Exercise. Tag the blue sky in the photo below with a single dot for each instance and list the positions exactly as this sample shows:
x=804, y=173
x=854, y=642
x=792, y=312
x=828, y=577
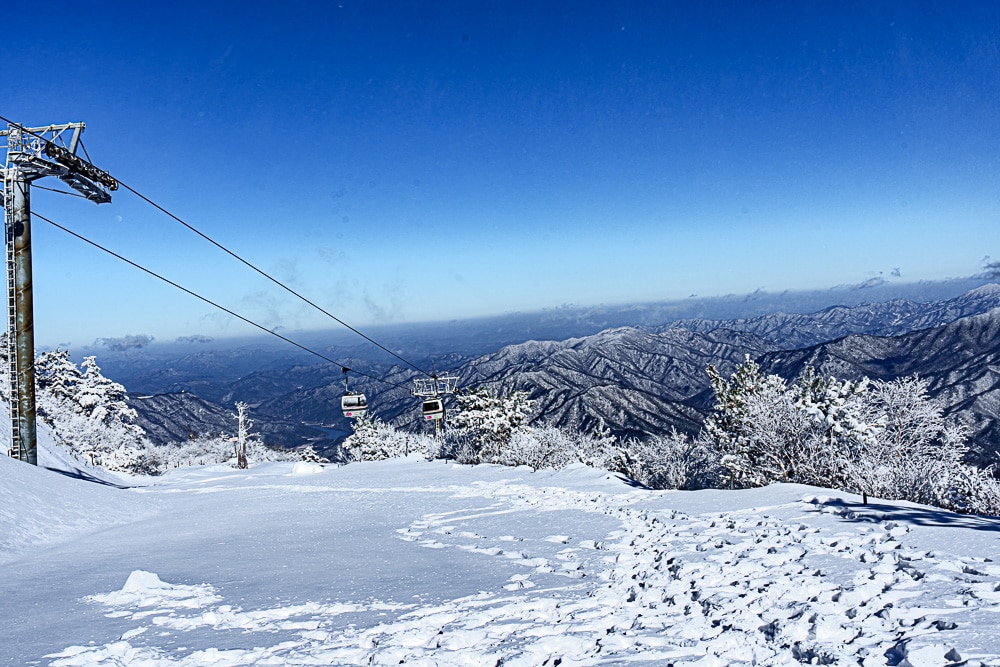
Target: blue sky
x=399, y=161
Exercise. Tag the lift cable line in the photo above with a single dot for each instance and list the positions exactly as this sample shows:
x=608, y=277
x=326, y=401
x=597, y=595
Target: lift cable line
x=62, y=192
x=214, y=304
x=270, y=277
x=232, y=254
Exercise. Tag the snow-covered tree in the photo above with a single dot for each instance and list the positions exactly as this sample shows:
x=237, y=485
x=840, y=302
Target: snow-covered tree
x=491, y=418
x=835, y=406
x=538, y=448
x=56, y=376
x=755, y=427
x=375, y=440
x=456, y=445
x=674, y=461
x=805, y=433
x=911, y=452
x=89, y=413
x=310, y=455
x=884, y=439
x=600, y=449
x=101, y=398
x=974, y=490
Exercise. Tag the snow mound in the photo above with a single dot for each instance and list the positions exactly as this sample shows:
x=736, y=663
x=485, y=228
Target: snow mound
x=145, y=589
x=306, y=468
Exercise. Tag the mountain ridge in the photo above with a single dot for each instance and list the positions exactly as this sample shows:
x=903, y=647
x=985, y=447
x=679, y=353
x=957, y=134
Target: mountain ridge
x=643, y=380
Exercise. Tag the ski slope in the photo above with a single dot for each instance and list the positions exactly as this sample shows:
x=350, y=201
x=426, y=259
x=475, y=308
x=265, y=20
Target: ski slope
x=431, y=563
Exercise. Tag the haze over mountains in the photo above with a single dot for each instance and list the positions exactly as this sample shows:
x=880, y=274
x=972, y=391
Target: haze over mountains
x=636, y=379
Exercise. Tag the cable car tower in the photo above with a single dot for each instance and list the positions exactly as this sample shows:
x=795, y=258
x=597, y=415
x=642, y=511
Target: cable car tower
x=433, y=390
x=33, y=153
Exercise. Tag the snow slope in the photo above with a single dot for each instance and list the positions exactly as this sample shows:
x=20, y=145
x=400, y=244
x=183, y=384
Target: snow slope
x=431, y=563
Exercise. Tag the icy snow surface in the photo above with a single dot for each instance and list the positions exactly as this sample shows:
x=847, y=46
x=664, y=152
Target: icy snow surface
x=430, y=563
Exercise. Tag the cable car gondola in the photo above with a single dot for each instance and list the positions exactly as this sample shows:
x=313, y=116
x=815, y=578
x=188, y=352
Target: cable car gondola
x=433, y=408
x=354, y=404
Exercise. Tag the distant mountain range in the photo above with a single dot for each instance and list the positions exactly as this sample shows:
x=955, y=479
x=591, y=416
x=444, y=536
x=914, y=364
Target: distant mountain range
x=638, y=380
x=889, y=318
x=206, y=367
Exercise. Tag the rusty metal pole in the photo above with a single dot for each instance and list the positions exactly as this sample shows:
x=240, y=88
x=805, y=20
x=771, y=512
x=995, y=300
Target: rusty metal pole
x=25, y=321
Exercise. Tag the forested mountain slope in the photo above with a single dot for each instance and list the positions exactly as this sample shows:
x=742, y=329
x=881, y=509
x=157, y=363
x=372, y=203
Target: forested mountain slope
x=637, y=382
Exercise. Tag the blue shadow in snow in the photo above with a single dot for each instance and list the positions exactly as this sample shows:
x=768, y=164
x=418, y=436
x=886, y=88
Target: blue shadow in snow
x=918, y=516
x=84, y=476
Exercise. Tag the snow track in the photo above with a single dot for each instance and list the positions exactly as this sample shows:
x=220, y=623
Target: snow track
x=810, y=581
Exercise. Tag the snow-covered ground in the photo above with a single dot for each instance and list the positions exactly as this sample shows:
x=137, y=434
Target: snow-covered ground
x=430, y=563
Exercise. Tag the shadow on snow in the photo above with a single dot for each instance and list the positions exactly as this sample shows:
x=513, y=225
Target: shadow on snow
x=919, y=516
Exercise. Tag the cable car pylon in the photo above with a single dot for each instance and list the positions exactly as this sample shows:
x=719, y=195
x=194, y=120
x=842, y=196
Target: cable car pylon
x=34, y=153
x=433, y=390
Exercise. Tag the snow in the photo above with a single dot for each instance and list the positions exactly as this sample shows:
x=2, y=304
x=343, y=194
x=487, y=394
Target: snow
x=432, y=563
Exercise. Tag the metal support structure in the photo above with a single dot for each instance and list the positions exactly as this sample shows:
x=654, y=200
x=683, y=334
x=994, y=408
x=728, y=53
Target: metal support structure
x=435, y=385
x=34, y=153
x=433, y=388
x=21, y=334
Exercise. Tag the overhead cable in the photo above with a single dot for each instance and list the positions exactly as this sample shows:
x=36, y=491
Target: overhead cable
x=62, y=192
x=245, y=263
x=212, y=303
x=269, y=276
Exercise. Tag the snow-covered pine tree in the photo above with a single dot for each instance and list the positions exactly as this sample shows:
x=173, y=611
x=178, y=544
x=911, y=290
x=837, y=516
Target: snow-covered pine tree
x=751, y=425
x=769, y=432
x=836, y=405
x=491, y=418
x=839, y=424
x=56, y=377
x=375, y=440
x=91, y=415
x=101, y=398
x=310, y=455
x=888, y=439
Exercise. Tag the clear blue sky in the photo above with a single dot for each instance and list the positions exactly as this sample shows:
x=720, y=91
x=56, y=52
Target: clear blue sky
x=413, y=161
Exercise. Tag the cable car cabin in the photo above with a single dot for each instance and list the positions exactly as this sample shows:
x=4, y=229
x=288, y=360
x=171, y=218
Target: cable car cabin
x=354, y=405
x=433, y=408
